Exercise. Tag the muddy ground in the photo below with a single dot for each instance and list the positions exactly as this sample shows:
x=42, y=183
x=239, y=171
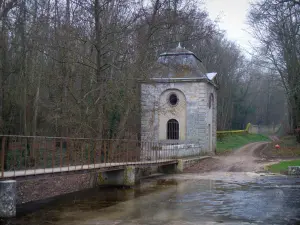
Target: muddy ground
x=252, y=157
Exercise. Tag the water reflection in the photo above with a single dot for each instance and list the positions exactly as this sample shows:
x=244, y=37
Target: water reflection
x=265, y=200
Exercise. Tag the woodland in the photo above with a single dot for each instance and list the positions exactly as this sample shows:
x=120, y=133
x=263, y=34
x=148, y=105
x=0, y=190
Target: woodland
x=71, y=67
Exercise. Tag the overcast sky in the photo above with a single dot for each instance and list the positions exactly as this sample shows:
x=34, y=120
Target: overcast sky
x=232, y=16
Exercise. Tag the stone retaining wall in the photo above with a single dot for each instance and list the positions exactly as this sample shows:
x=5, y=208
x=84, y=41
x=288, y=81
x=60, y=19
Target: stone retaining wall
x=294, y=170
x=54, y=185
x=47, y=187
x=173, y=151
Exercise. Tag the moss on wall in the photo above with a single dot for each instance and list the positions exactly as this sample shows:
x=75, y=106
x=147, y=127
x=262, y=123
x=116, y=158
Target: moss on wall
x=129, y=176
x=101, y=179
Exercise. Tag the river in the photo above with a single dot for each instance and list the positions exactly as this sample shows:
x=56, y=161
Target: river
x=186, y=199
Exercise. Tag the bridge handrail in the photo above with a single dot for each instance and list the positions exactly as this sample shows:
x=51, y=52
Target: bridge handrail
x=70, y=138
x=31, y=153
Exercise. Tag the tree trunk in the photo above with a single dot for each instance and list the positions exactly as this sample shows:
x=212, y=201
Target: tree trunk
x=3, y=72
x=23, y=64
x=99, y=113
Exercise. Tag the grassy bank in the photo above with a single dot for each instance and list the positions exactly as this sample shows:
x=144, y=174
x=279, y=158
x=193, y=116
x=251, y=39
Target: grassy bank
x=282, y=167
x=289, y=148
x=234, y=141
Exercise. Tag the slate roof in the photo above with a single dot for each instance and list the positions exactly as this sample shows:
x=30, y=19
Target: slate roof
x=179, y=63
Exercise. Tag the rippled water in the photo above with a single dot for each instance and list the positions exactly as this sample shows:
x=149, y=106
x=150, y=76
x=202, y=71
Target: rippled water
x=263, y=200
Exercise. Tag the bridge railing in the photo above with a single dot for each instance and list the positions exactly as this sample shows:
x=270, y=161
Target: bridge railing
x=24, y=153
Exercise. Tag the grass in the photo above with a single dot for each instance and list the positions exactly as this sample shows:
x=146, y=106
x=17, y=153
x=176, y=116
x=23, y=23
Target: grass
x=289, y=148
x=289, y=141
x=282, y=167
x=234, y=141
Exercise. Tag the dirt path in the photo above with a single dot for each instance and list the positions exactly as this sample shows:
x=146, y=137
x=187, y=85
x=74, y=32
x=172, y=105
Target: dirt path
x=246, y=159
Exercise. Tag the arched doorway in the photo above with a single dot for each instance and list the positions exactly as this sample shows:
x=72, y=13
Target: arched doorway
x=173, y=129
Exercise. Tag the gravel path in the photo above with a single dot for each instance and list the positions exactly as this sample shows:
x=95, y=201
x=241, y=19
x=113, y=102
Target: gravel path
x=246, y=159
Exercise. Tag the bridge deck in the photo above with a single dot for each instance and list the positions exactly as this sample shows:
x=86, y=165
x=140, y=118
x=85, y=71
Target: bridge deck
x=31, y=172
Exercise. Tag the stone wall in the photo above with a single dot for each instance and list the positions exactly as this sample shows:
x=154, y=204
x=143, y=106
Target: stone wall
x=264, y=129
x=165, y=151
x=294, y=170
x=197, y=112
x=54, y=185
x=149, y=117
x=213, y=110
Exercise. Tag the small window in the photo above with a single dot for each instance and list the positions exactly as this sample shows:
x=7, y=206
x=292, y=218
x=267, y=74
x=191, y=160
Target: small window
x=173, y=99
x=173, y=130
x=211, y=100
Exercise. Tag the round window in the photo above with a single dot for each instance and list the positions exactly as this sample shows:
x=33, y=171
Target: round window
x=173, y=99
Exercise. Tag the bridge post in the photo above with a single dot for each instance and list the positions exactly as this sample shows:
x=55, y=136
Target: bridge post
x=7, y=198
x=180, y=166
x=123, y=177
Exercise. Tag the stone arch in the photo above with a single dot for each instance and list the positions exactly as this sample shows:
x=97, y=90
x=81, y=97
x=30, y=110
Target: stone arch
x=172, y=109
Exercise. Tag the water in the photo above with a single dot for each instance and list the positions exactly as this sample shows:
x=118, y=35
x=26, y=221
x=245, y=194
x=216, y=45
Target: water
x=180, y=200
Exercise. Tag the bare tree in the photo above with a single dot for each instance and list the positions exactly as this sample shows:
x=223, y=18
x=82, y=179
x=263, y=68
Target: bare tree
x=276, y=26
x=70, y=68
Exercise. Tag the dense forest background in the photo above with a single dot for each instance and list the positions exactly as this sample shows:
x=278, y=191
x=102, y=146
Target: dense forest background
x=71, y=67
